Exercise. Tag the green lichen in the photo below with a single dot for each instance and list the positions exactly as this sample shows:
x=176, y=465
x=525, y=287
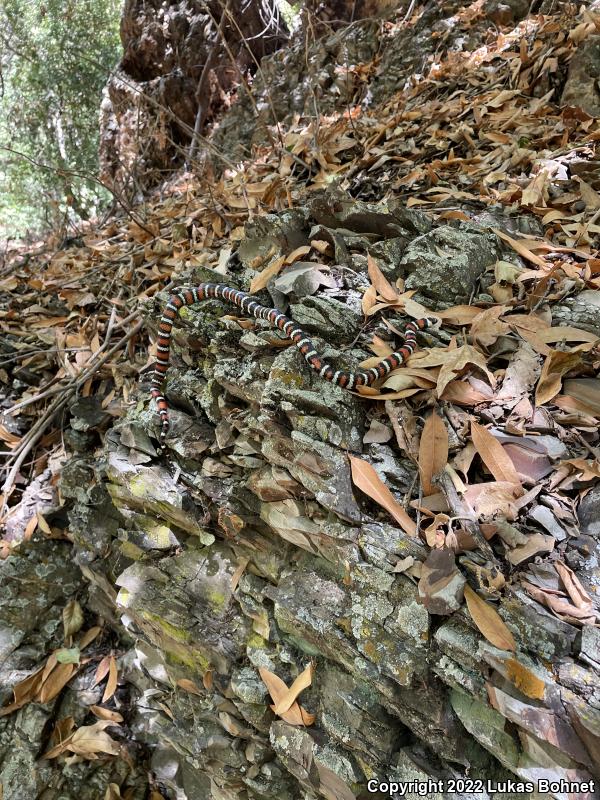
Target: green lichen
x=287, y=378
x=174, y=642
x=216, y=599
x=256, y=642
x=175, y=633
x=131, y=550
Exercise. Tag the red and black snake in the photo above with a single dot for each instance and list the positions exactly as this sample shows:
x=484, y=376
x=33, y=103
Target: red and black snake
x=251, y=306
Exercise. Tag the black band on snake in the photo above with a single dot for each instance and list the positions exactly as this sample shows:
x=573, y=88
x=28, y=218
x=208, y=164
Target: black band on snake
x=251, y=306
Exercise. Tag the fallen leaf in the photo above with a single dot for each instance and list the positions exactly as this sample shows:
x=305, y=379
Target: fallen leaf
x=295, y=715
x=556, y=365
x=89, y=636
x=55, y=682
x=384, y=288
x=261, y=280
x=239, y=571
x=68, y=655
x=24, y=692
x=365, y=477
x=72, y=618
x=88, y=741
x=303, y=250
x=433, y=450
x=101, y=670
x=303, y=681
x=189, y=686
x=493, y=455
x=488, y=621
x=111, y=683
x=106, y=713
x=572, y=584
x=487, y=326
x=521, y=249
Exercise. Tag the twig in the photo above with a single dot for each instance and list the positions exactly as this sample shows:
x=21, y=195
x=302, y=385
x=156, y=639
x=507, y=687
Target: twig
x=85, y=176
x=57, y=389
x=243, y=82
x=35, y=433
x=203, y=106
x=462, y=510
x=410, y=10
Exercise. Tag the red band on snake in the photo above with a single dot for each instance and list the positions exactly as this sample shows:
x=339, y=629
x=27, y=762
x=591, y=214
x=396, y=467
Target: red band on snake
x=251, y=306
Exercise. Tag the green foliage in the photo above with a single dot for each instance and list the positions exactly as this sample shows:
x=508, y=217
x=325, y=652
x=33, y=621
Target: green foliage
x=55, y=57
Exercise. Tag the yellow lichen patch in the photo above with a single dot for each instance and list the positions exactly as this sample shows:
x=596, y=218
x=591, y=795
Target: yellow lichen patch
x=256, y=642
x=524, y=679
x=158, y=622
x=287, y=378
x=131, y=550
x=216, y=599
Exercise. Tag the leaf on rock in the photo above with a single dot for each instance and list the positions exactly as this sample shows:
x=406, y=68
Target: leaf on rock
x=365, y=477
x=433, y=450
x=278, y=690
x=489, y=622
x=556, y=365
x=72, y=618
x=384, y=288
x=111, y=683
x=493, y=455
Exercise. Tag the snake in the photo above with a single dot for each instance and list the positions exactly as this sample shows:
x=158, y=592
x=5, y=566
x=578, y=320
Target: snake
x=251, y=306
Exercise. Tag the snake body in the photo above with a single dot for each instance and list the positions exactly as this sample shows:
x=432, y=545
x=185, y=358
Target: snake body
x=251, y=306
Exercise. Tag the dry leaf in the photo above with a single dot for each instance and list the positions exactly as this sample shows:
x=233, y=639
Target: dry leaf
x=189, y=686
x=460, y=315
x=102, y=670
x=88, y=741
x=72, y=618
x=89, y=636
x=24, y=692
x=239, y=571
x=55, y=682
x=113, y=792
x=295, y=715
x=43, y=525
x=493, y=455
x=261, y=280
x=453, y=361
x=521, y=249
x=572, y=584
x=301, y=682
x=106, y=713
x=303, y=250
x=365, y=477
x=111, y=683
x=489, y=622
x=368, y=300
x=384, y=288
x=433, y=450
x=556, y=365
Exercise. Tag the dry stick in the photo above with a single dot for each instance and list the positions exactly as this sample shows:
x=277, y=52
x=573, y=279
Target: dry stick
x=182, y=124
x=207, y=143
x=411, y=7
x=84, y=176
x=243, y=81
x=58, y=389
x=35, y=433
x=463, y=511
x=203, y=107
